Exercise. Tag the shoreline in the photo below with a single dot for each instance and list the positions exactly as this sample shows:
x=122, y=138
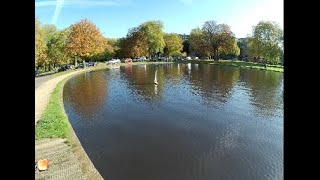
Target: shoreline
x=237, y=63
x=87, y=167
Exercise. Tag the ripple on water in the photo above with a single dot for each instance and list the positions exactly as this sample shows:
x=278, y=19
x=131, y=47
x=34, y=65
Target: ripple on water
x=200, y=122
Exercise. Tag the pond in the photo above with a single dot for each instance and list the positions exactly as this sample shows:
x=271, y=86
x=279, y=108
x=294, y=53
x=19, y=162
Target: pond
x=200, y=122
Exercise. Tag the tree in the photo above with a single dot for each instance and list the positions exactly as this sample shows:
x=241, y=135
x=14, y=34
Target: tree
x=173, y=45
x=53, y=43
x=186, y=46
x=40, y=45
x=152, y=31
x=197, y=43
x=266, y=41
x=112, y=47
x=109, y=51
x=230, y=49
x=85, y=40
x=216, y=36
x=61, y=45
x=134, y=45
x=122, y=44
x=56, y=43
x=50, y=39
x=138, y=43
x=144, y=40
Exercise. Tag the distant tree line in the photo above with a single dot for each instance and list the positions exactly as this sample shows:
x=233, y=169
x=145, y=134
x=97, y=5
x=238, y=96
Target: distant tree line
x=84, y=41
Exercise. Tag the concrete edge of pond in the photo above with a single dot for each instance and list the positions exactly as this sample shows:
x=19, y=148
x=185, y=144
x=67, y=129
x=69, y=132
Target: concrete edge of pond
x=88, y=169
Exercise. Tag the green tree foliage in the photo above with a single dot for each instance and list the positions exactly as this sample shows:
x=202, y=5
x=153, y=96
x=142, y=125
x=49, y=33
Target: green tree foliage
x=85, y=40
x=153, y=32
x=138, y=43
x=123, y=47
x=108, y=52
x=173, y=45
x=267, y=41
x=198, y=45
x=186, y=46
x=134, y=45
x=61, y=45
x=40, y=45
x=217, y=36
x=112, y=48
x=230, y=49
x=56, y=44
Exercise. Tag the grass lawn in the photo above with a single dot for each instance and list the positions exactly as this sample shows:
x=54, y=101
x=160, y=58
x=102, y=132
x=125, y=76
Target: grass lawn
x=53, y=122
x=241, y=64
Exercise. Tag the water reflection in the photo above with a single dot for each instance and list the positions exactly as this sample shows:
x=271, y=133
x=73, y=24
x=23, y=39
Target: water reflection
x=200, y=122
x=214, y=84
x=266, y=90
x=87, y=93
x=155, y=89
x=140, y=79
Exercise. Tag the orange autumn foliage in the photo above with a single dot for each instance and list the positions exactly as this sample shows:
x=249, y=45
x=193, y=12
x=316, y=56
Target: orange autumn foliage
x=85, y=40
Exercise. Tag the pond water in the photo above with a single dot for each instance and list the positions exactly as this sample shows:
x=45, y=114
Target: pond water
x=200, y=122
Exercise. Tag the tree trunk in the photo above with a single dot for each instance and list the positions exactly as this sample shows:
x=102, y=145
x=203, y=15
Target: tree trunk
x=75, y=62
x=216, y=54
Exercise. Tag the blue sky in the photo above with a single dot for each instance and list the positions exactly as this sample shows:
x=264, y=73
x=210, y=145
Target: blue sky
x=115, y=17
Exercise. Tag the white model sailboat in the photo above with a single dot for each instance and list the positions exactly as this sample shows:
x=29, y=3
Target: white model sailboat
x=155, y=78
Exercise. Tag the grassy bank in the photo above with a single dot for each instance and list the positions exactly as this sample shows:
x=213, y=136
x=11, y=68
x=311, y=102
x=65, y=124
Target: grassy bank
x=53, y=122
x=241, y=64
x=136, y=63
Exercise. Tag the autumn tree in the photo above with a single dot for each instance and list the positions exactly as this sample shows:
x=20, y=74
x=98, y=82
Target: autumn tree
x=135, y=44
x=266, y=41
x=111, y=48
x=138, y=43
x=144, y=40
x=198, y=45
x=173, y=45
x=85, y=40
x=107, y=53
x=216, y=36
x=40, y=45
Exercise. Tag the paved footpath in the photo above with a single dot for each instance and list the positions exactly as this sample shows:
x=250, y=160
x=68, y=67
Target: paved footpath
x=43, y=91
x=65, y=162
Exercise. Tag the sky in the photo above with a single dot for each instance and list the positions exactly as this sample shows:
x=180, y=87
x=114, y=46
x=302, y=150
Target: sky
x=115, y=17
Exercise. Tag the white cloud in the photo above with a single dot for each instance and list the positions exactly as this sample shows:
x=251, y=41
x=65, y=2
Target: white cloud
x=57, y=11
x=62, y=3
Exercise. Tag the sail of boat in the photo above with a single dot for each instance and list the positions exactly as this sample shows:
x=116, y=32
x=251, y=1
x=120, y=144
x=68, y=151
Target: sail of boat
x=155, y=78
